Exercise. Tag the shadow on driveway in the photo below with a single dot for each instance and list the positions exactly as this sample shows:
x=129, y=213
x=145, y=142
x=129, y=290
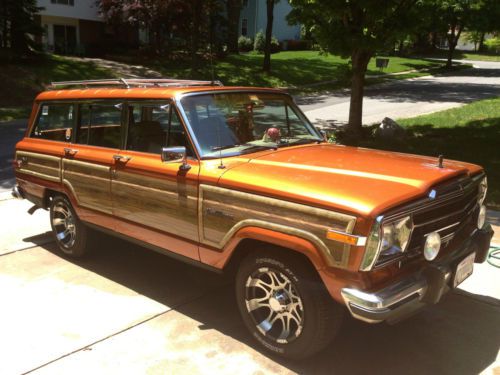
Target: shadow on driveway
x=458, y=336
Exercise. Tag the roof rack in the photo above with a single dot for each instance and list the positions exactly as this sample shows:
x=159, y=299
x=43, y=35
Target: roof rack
x=138, y=82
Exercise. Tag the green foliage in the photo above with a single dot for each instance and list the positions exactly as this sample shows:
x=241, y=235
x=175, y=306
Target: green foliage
x=245, y=44
x=259, y=42
x=18, y=24
x=493, y=44
x=342, y=26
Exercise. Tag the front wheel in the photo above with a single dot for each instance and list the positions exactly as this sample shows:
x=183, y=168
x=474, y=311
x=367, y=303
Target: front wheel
x=285, y=305
x=69, y=232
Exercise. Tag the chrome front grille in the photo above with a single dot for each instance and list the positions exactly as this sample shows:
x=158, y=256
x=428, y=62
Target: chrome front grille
x=452, y=213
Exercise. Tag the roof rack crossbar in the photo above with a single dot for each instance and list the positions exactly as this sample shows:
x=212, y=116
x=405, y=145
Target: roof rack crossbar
x=138, y=82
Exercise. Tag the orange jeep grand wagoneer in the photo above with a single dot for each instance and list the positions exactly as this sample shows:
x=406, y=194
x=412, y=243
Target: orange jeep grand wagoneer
x=238, y=178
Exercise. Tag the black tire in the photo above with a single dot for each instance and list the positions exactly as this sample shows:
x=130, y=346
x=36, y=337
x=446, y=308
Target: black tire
x=316, y=319
x=70, y=234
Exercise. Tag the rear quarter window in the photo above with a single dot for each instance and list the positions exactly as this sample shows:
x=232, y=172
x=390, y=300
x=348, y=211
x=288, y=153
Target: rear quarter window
x=54, y=122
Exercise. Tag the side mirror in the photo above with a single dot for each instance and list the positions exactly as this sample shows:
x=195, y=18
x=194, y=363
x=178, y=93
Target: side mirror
x=323, y=133
x=175, y=155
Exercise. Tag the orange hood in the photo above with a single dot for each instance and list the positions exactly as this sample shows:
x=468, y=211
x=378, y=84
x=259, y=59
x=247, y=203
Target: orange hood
x=354, y=180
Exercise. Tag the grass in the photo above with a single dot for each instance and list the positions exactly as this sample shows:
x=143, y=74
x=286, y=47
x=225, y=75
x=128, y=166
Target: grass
x=466, y=55
x=469, y=133
x=22, y=81
x=289, y=68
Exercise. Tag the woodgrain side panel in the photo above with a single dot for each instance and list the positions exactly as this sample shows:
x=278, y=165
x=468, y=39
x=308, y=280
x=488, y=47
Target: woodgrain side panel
x=46, y=167
x=89, y=183
x=162, y=202
x=223, y=212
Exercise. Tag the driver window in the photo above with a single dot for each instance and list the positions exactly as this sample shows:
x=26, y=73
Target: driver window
x=153, y=126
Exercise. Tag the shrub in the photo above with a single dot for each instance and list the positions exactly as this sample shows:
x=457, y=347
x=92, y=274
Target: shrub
x=245, y=44
x=493, y=44
x=260, y=43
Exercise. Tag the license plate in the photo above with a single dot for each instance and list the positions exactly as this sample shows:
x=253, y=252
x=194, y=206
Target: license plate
x=464, y=269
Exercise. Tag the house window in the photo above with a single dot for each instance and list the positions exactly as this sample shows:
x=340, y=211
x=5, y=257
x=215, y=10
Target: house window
x=244, y=27
x=64, y=2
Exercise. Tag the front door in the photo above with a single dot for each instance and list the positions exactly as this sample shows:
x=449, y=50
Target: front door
x=64, y=39
x=88, y=161
x=156, y=202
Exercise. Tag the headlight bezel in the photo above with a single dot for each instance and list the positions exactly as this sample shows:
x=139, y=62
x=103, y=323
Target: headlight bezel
x=374, y=248
x=482, y=190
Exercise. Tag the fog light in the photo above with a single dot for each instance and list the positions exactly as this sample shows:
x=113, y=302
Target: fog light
x=481, y=218
x=432, y=246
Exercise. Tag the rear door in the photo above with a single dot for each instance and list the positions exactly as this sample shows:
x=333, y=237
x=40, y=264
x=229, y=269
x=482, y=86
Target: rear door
x=88, y=161
x=153, y=195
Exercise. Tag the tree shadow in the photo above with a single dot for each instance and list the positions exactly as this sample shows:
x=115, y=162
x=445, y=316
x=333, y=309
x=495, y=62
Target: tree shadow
x=457, y=336
x=476, y=142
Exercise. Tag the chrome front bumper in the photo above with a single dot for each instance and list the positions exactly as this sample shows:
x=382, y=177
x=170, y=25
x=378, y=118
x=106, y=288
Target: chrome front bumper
x=404, y=297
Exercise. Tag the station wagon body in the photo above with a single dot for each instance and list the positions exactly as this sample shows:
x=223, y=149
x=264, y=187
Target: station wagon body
x=238, y=178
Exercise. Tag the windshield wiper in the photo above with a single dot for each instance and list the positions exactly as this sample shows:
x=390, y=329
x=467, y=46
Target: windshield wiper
x=219, y=148
x=299, y=141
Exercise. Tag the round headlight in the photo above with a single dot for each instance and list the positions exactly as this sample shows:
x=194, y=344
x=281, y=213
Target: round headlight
x=432, y=246
x=481, y=218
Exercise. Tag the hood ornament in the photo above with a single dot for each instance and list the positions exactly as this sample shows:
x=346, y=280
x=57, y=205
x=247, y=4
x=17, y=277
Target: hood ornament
x=440, y=161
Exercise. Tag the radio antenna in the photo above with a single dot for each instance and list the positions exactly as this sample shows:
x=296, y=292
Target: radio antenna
x=212, y=69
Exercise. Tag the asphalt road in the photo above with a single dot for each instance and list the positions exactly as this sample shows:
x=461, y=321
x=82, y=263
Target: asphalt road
x=409, y=98
x=128, y=310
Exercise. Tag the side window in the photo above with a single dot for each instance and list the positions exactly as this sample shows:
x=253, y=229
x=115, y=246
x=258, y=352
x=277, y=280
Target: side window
x=100, y=125
x=55, y=122
x=153, y=126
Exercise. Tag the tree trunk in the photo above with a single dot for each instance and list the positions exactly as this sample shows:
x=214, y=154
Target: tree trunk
x=480, y=47
x=269, y=34
x=360, y=59
x=233, y=8
x=452, y=44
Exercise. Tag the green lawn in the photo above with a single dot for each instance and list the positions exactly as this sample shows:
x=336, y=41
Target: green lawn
x=470, y=133
x=289, y=68
x=22, y=81
x=466, y=55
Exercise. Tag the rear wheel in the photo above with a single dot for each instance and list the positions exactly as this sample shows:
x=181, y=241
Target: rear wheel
x=285, y=305
x=69, y=232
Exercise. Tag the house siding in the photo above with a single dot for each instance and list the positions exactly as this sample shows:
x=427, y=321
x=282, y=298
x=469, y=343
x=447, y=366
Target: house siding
x=256, y=13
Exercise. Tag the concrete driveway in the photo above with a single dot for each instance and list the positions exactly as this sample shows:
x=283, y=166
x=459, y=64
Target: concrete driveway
x=409, y=98
x=127, y=310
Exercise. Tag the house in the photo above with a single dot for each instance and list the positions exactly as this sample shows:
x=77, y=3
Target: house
x=70, y=25
x=76, y=27
x=253, y=19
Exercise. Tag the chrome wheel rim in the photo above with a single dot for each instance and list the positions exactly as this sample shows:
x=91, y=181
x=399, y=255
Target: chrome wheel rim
x=63, y=222
x=274, y=305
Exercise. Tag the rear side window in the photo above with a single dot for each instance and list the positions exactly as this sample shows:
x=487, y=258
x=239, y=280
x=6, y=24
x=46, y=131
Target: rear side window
x=100, y=125
x=55, y=122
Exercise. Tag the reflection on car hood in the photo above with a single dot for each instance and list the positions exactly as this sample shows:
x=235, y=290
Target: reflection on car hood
x=349, y=179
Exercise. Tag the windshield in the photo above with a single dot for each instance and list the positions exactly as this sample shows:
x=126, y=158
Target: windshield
x=235, y=123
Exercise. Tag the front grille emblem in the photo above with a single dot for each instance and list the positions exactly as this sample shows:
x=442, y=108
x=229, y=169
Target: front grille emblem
x=432, y=194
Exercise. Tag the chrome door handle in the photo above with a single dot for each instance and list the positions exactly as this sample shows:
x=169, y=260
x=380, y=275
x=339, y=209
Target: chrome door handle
x=70, y=151
x=121, y=158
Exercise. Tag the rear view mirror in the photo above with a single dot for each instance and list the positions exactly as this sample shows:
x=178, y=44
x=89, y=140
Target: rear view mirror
x=175, y=155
